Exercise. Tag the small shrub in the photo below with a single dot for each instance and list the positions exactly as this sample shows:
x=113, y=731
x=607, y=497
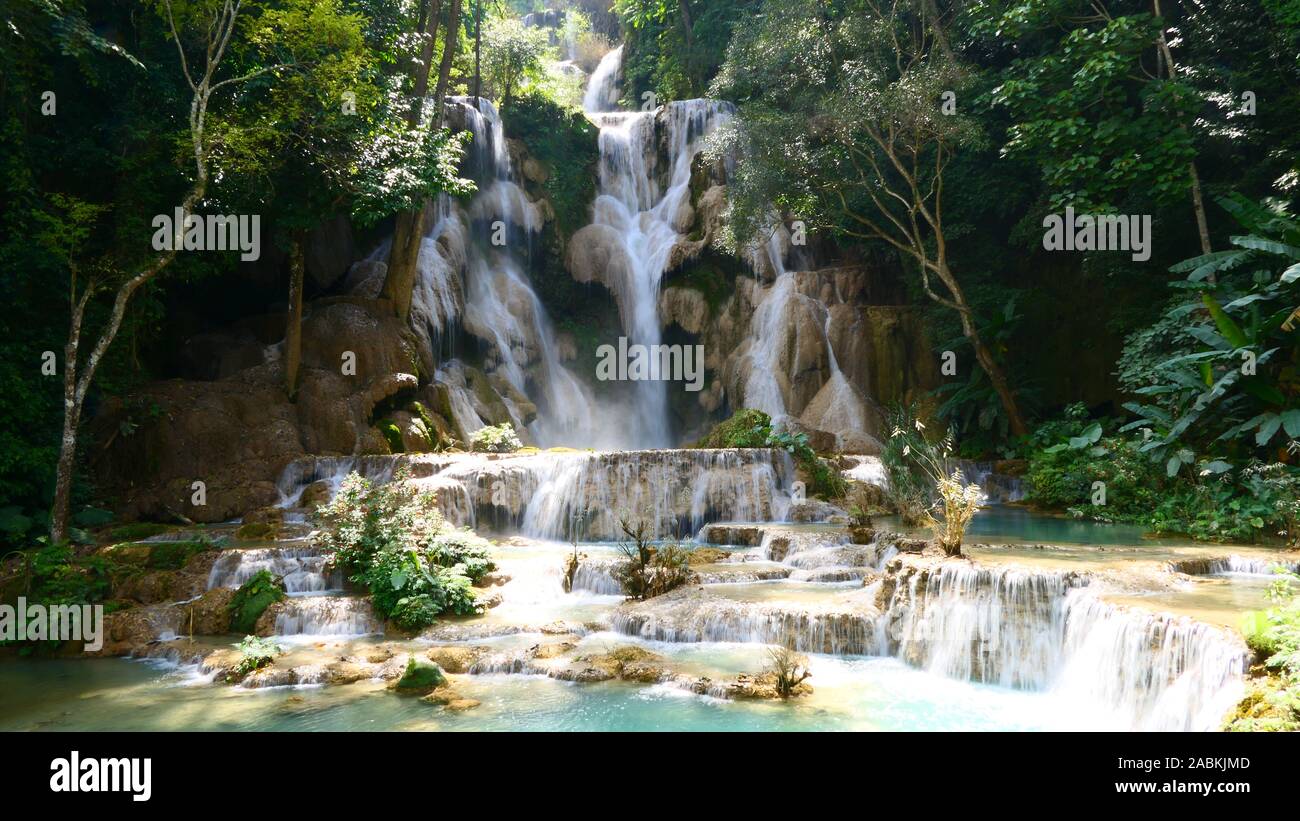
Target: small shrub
x=925, y=478
x=392, y=539
x=495, y=439
x=747, y=428
x=650, y=570
x=788, y=669
x=415, y=612
x=251, y=600
x=256, y=653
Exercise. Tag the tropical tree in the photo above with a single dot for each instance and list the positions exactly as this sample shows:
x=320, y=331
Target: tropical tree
x=840, y=124
x=1226, y=379
x=212, y=25
x=513, y=56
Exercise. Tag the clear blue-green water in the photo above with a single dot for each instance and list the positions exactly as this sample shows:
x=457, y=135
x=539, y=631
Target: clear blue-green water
x=997, y=523
x=851, y=694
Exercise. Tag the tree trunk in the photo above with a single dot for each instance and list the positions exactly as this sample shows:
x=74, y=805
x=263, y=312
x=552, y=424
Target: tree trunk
x=293, y=322
x=1202, y=226
x=1198, y=202
x=408, y=231
x=983, y=355
x=449, y=44
x=426, y=62
x=478, y=47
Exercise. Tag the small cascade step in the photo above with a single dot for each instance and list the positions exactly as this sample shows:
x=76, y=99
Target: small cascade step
x=326, y=616
x=302, y=569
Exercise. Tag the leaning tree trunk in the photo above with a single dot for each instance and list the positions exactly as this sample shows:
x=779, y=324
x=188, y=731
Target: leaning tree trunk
x=448, y=54
x=983, y=355
x=478, y=48
x=293, y=322
x=1198, y=201
x=408, y=231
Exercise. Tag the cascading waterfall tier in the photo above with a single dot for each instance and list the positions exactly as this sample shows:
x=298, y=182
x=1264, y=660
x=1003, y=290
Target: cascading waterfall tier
x=845, y=627
x=641, y=212
x=495, y=302
x=553, y=495
x=301, y=568
x=1049, y=631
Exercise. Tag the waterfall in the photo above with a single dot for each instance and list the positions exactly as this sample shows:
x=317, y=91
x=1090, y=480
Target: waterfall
x=602, y=88
x=782, y=319
x=543, y=495
x=301, y=568
x=647, y=220
x=843, y=629
x=490, y=240
x=1049, y=631
x=326, y=616
x=1234, y=564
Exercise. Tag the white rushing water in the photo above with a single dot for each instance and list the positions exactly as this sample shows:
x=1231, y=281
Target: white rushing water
x=643, y=202
x=602, y=88
x=490, y=240
x=1048, y=631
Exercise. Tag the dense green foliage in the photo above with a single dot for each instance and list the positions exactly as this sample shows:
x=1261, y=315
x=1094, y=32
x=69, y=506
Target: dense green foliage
x=392, y=539
x=1273, y=703
x=750, y=428
x=673, y=48
x=255, y=653
x=563, y=141
x=495, y=439
x=251, y=600
x=306, y=120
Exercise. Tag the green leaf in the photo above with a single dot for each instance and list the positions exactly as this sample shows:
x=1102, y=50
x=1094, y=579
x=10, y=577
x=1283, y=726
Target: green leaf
x=1291, y=422
x=1230, y=330
x=1171, y=468
x=1267, y=429
x=1088, y=437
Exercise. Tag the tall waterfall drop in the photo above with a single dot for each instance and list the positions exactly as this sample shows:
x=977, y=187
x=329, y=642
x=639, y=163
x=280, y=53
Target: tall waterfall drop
x=642, y=211
x=499, y=305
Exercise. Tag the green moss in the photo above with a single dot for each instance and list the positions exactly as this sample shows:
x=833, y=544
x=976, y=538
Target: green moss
x=256, y=531
x=392, y=435
x=175, y=555
x=420, y=677
x=564, y=141
x=135, y=531
x=747, y=428
x=252, y=599
x=715, y=284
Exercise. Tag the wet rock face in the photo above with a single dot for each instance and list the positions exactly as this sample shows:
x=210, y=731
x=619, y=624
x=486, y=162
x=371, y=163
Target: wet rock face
x=237, y=433
x=675, y=492
x=694, y=614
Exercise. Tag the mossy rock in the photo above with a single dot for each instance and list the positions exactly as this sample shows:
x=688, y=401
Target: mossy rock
x=708, y=555
x=175, y=555
x=252, y=599
x=392, y=435
x=257, y=531
x=420, y=678
x=135, y=531
x=747, y=428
